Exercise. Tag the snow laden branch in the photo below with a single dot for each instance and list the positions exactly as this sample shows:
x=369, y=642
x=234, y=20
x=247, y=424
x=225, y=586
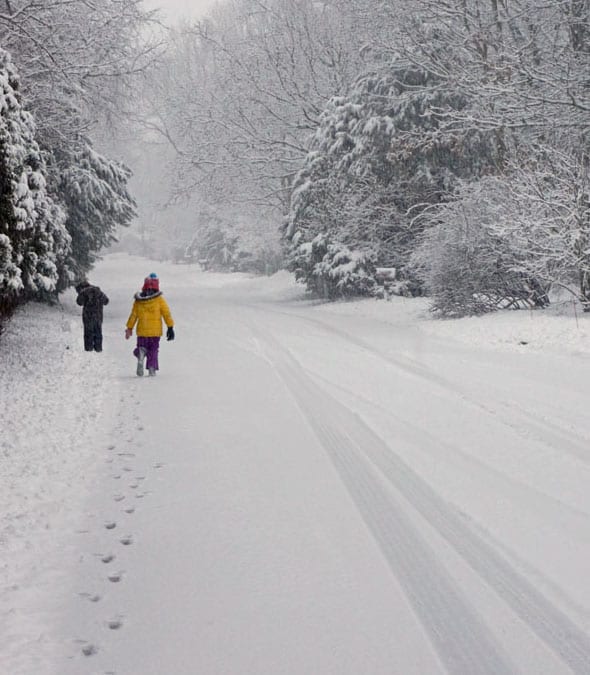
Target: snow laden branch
x=78, y=63
x=243, y=90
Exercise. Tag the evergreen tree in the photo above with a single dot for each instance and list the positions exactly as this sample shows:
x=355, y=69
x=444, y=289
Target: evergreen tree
x=33, y=239
x=377, y=158
x=79, y=62
x=95, y=193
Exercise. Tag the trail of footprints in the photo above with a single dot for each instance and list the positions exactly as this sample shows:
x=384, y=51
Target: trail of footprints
x=107, y=559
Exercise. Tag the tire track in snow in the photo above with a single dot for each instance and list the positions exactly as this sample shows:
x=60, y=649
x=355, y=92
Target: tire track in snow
x=538, y=500
x=458, y=633
x=541, y=429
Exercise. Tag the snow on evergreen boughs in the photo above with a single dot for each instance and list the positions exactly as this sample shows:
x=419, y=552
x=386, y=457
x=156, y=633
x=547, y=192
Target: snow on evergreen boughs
x=95, y=192
x=34, y=239
x=330, y=270
x=378, y=153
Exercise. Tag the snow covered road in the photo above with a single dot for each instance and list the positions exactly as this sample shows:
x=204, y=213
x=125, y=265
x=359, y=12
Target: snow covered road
x=304, y=490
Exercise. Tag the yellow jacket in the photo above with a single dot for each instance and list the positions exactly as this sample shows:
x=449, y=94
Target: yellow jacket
x=148, y=313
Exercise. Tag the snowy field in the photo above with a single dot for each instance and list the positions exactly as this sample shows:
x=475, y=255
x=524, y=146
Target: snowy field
x=304, y=489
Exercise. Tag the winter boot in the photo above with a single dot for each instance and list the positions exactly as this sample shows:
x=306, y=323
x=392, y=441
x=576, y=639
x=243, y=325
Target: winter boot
x=140, y=359
x=152, y=372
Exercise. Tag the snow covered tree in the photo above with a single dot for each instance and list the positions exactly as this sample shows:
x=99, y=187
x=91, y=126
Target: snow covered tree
x=242, y=91
x=465, y=262
x=78, y=60
x=95, y=193
x=509, y=239
x=331, y=270
x=33, y=240
x=543, y=213
x=377, y=154
x=523, y=64
x=79, y=63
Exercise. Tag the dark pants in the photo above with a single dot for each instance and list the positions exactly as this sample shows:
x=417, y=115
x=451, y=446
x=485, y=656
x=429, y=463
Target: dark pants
x=93, y=336
x=151, y=346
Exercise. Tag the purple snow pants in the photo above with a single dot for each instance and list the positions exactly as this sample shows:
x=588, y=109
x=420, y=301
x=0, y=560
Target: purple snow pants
x=151, y=346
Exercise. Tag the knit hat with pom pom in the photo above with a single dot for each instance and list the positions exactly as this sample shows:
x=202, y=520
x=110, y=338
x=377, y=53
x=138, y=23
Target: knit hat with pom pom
x=151, y=283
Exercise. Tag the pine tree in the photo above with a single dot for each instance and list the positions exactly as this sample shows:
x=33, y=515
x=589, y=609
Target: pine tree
x=378, y=158
x=94, y=190
x=33, y=239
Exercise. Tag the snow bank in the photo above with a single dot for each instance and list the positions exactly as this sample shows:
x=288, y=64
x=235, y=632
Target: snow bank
x=53, y=397
x=558, y=329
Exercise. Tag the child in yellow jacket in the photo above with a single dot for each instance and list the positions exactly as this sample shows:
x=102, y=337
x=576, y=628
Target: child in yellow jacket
x=148, y=311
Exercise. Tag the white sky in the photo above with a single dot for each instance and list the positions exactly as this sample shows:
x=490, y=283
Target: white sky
x=177, y=9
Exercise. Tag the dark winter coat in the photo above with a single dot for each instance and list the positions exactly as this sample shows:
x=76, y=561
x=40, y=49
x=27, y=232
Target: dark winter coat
x=92, y=299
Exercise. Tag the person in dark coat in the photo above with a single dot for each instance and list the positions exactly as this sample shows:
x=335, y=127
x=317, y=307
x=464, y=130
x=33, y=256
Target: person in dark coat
x=92, y=299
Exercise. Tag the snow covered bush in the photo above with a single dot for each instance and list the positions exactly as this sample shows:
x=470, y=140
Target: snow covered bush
x=467, y=269
x=263, y=260
x=543, y=214
x=330, y=270
x=506, y=240
x=214, y=248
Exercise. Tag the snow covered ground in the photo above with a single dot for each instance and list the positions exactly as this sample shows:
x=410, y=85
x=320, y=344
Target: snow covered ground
x=303, y=489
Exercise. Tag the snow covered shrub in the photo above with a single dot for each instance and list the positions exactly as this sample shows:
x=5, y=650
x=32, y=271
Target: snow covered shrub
x=330, y=270
x=542, y=211
x=515, y=236
x=260, y=260
x=214, y=248
x=466, y=264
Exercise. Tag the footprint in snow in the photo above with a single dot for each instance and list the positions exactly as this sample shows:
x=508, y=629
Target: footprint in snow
x=111, y=447
x=90, y=597
x=117, y=476
x=89, y=649
x=158, y=465
x=130, y=510
x=119, y=498
x=108, y=558
x=111, y=525
x=134, y=486
x=115, y=624
x=126, y=541
x=115, y=577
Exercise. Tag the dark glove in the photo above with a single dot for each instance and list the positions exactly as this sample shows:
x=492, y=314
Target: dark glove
x=170, y=334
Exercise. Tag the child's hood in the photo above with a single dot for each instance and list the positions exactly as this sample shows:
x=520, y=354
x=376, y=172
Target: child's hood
x=142, y=297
